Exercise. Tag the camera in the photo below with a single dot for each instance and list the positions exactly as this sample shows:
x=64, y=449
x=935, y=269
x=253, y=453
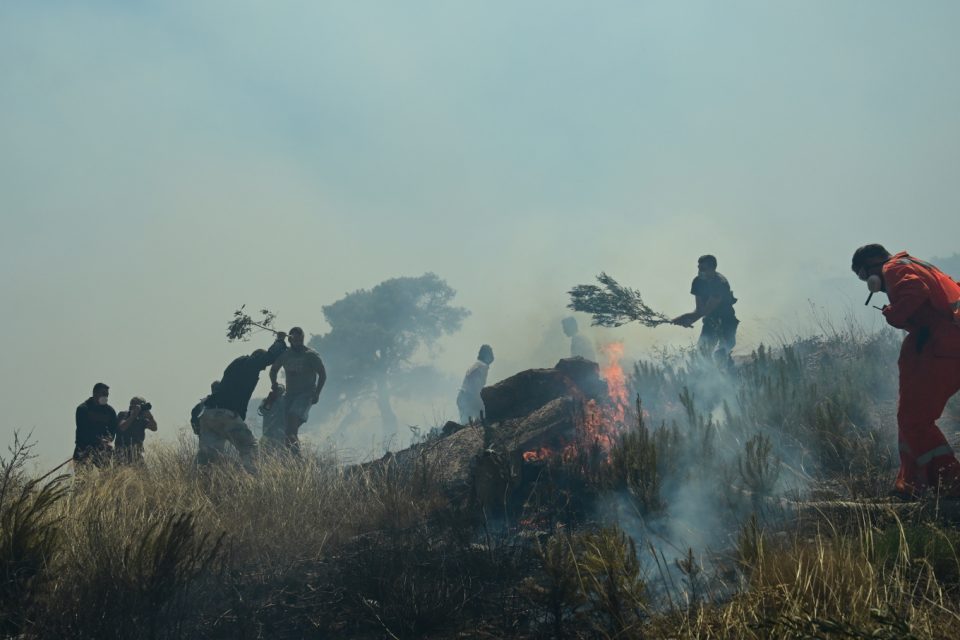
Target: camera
x=146, y=406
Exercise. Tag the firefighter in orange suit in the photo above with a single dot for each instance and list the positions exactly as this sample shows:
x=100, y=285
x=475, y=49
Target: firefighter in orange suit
x=925, y=302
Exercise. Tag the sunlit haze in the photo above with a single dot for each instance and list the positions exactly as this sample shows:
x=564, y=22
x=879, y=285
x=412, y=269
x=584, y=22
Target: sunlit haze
x=163, y=163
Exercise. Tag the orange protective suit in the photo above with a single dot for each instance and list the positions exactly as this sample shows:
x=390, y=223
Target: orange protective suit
x=926, y=303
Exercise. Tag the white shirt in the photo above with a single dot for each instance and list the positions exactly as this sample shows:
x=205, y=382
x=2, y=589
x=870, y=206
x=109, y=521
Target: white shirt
x=475, y=378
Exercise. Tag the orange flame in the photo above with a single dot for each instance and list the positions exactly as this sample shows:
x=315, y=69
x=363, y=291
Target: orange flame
x=612, y=372
x=536, y=455
x=600, y=423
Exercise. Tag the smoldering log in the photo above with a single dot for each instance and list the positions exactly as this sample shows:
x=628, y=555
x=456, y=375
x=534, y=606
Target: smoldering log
x=533, y=409
x=447, y=460
x=522, y=394
x=541, y=409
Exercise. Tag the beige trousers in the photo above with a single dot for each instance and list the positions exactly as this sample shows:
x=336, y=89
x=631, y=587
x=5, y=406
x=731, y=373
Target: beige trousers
x=219, y=426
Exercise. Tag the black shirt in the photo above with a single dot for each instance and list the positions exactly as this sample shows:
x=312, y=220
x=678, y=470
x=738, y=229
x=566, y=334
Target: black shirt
x=240, y=379
x=716, y=287
x=134, y=434
x=95, y=422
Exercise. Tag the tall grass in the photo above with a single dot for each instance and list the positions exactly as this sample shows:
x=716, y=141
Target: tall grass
x=824, y=407
x=309, y=547
x=29, y=537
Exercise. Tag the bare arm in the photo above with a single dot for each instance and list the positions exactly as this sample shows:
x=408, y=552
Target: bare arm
x=273, y=374
x=321, y=380
x=705, y=306
x=131, y=417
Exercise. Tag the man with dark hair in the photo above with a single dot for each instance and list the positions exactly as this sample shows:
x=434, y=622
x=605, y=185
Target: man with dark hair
x=925, y=302
x=226, y=408
x=469, y=401
x=132, y=426
x=305, y=376
x=715, y=302
x=869, y=254
x=96, y=425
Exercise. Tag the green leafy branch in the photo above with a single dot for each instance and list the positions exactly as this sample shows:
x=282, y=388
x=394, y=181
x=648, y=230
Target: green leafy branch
x=613, y=305
x=243, y=325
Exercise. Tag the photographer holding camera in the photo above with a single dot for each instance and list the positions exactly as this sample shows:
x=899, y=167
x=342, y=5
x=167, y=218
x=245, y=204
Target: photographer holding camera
x=131, y=430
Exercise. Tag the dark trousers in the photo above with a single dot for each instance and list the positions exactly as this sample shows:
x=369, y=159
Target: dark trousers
x=718, y=334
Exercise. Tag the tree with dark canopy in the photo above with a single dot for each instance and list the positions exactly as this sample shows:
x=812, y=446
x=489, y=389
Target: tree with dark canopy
x=374, y=337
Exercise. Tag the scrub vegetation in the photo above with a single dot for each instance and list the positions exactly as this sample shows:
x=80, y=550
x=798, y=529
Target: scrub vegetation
x=750, y=505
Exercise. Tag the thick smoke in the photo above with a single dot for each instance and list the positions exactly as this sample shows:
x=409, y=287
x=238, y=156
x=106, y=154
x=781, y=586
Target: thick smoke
x=750, y=443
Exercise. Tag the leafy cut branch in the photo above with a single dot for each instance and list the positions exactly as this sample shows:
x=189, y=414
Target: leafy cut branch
x=243, y=325
x=613, y=305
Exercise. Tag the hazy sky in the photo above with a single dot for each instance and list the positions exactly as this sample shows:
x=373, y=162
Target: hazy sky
x=162, y=163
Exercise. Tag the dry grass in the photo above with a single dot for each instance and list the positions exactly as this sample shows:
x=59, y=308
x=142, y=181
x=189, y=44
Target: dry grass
x=310, y=548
